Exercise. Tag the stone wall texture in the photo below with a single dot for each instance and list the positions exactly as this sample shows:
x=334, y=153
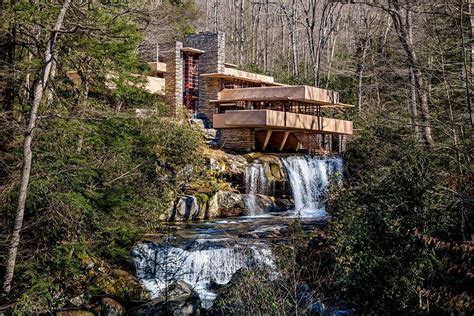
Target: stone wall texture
x=172, y=56
x=241, y=140
x=211, y=61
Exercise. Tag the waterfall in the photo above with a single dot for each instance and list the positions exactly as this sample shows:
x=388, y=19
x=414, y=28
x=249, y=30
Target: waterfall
x=255, y=183
x=201, y=264
x=309, y=177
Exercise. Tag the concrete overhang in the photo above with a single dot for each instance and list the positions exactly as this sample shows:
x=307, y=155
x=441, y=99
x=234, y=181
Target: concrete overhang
x=157, y=67
x=192, y=50
x=232, y=73
x=284, y=121
x=153, y=85
x=306, y=94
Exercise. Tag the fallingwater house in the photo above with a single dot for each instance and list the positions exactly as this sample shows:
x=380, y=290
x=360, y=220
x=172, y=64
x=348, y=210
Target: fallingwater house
x=251, y=112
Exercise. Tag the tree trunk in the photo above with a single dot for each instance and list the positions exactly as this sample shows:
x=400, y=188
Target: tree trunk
x=362, y=52
x=241, y=37
x=404, y=29
x=27, y=153
x=412, y=102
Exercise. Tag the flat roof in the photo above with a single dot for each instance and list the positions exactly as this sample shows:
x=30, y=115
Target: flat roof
x=230, y=65
x=306, y=94
x=192, y=50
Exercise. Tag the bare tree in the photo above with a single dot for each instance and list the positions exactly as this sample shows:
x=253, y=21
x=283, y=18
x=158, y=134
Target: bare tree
x=27, y=153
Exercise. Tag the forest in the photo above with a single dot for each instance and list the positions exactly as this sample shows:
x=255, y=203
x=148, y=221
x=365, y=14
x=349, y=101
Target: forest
x=90, y=189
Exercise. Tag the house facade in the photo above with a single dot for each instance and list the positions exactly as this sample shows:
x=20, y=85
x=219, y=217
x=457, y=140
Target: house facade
x=251, y=111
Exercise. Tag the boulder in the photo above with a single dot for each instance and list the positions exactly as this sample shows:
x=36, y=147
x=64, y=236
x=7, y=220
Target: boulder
x=179, y=300
x=186, y=207
x=226, y=204
x=268, y=204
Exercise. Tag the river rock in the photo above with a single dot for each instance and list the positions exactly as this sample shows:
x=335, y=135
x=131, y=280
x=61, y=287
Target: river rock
x=179, y=300
x=226, y=204
x=187, y=207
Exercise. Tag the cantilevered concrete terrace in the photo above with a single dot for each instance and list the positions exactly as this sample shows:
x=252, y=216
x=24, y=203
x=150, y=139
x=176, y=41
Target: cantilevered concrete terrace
x=278, y=120
x=231, y=73
x=296, y=108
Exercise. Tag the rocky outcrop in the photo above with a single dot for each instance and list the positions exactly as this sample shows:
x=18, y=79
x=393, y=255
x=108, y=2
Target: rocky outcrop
x=230, y=200
x=226, y=204
x=200, y=206
x=179, y=300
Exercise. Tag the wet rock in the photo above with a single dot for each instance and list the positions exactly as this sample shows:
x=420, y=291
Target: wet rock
x=284, y=204
x=179, y=299
x=187, y=207
x=275, y=173
x=269, y=204
x=226, y=204
x=110, y=307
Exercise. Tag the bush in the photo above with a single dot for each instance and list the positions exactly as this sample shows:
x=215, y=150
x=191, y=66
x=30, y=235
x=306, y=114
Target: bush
x=394, y=191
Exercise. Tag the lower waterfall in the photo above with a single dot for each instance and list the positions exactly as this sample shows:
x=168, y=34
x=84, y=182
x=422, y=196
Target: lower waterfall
x=309, y=177
x=255, y=183
x=200, y=264
x=206, y=255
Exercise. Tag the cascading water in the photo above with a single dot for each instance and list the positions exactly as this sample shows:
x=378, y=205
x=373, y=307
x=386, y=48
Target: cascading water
x=255, y=183
x=309, y=177
x=209, y=256
x=203, y=262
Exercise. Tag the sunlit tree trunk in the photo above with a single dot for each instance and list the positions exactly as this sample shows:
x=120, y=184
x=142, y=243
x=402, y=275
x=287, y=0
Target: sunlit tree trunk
x=27, y=153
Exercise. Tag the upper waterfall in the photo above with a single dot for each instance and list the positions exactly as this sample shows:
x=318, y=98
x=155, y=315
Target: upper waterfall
x=309, y=177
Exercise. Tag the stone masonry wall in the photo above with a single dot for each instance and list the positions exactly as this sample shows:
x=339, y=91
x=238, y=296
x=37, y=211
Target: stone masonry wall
x=172, y=56
x=242, y=140
x=211, y=61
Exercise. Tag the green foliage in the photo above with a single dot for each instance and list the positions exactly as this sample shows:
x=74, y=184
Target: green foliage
x=394, y=189
x=96, y=187
x=250, y=293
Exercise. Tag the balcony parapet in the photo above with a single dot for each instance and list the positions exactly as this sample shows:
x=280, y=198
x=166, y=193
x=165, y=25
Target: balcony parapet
x=279, y=120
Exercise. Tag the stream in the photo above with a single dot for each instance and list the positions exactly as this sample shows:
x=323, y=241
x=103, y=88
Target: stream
x=208, y=253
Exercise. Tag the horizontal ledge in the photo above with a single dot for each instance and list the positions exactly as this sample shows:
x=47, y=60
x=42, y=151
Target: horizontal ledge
x=270, y=119
x=192, y=50
x=324, y=105
x=242, y=78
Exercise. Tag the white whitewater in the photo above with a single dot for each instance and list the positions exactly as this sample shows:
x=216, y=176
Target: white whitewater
x=255, y=183
x=309, y=178
x=207, y=261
